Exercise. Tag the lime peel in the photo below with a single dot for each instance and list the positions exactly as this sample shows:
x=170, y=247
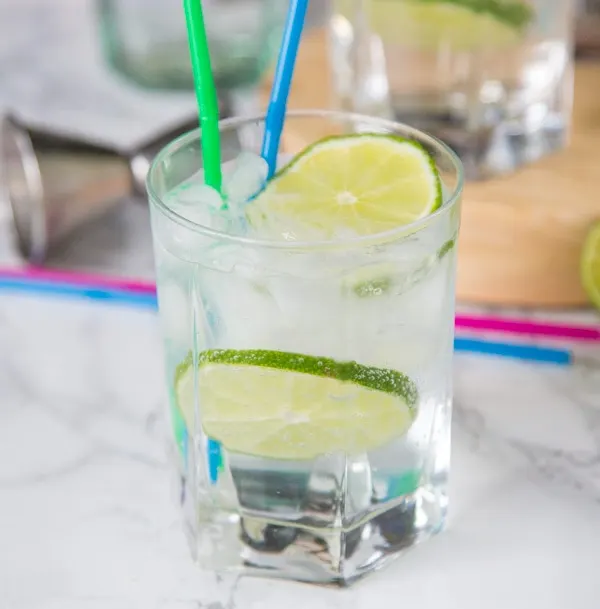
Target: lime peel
x=377, y=379
x=514, y=13
x=460, y=25
x=590, y=265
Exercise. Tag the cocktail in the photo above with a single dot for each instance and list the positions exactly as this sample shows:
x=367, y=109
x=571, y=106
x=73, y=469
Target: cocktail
x=492, y=78
x=308, y=324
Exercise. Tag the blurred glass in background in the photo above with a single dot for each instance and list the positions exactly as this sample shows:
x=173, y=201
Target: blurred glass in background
x=588, y=27
x=491, y=78
x=146, y=40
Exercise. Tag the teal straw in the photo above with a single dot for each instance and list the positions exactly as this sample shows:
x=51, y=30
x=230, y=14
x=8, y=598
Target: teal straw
x=206, y=93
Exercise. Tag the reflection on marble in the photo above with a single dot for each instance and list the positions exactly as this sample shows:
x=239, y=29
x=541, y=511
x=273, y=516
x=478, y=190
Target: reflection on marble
x=87, y=522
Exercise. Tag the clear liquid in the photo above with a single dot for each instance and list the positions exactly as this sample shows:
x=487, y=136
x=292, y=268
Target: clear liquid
x=338, y=516
x=499, y=103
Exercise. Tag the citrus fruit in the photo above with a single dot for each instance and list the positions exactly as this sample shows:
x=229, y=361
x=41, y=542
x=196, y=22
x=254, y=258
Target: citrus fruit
x=590, y=265
x=281, y=405
x=350, y=185
x=458, y=24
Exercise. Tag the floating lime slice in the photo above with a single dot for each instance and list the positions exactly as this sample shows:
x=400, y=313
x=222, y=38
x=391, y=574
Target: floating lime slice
x=281, y=405
x=590, y=265
x=355, y=184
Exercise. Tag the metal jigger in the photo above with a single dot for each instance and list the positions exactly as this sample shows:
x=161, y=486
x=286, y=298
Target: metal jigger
x=55, y=183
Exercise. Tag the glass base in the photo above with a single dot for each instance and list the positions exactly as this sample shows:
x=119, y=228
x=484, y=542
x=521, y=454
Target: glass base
x=330, y=522
x=252, y=546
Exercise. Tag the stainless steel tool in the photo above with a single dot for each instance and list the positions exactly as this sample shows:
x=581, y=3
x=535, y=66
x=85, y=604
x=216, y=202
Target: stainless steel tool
x=54, y=182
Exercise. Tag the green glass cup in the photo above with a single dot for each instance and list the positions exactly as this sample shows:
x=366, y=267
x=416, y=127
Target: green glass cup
x=146, y=40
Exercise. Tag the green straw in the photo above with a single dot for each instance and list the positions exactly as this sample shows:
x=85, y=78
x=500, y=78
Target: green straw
x=206, y=93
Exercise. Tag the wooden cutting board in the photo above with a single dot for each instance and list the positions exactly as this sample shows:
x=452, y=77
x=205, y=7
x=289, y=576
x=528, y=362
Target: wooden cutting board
x=521, y=234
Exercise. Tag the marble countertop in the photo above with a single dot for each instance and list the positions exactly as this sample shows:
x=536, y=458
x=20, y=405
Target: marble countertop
x=86, y=516
x=87, y=520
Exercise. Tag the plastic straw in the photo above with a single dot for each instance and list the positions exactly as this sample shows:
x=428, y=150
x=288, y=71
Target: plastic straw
x=282, y=82
x=547, y=330
x=33, y=276
x=206, y=93
x=143, y=297
x=101, y=294
x=30, y=277
x=526, y=353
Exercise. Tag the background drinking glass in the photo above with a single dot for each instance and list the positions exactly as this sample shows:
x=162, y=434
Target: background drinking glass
x=146, y=40
x=492, y=78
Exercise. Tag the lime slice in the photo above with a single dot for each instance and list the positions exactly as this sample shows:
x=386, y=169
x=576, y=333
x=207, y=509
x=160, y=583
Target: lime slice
x=459, y=24
x=354, y=184
x=279, y=405
x=384, y=278
x=590, y=265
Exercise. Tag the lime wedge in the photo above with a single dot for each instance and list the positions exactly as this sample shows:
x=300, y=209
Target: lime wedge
x=280, y=405
x=590, y=265
x=459, y=24
x=354, y=184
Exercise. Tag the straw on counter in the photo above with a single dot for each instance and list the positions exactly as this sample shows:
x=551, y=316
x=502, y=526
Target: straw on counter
x=206, y=93
x=81, y=286
x=30, y=278
x=548, y=330
x=282, y=82
x=526, y=353
x=35, y=276
x=142, y=294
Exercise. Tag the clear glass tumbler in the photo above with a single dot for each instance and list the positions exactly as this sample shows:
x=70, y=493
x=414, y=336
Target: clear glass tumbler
x=317, y=513
x=491, y=78
x=146, y=40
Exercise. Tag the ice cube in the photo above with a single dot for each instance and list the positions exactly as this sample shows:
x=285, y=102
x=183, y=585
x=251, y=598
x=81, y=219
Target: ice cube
x=175, y=314
x=195, y=202
x=244, y=180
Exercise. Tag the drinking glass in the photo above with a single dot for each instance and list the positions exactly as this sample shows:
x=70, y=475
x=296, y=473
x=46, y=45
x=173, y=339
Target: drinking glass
x=304, y=510
x=493, y=79
x=146, y=40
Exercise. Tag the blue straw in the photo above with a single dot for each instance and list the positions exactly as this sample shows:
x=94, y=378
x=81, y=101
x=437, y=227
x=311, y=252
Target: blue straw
x=79, y=292
x=283, y=82
x=527, y=353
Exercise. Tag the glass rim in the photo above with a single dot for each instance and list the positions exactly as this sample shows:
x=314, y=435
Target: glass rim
x=395, y=234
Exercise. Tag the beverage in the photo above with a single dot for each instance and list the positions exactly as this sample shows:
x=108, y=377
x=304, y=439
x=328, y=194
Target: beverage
x=309, y=328
x=492, y=78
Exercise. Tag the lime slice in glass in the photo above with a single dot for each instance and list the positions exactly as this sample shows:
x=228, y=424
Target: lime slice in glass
x=281, y=405
x=590, y=265
x=354, y=184
x=457, y=24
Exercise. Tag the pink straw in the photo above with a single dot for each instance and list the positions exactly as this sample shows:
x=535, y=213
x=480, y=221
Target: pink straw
x=529, y=328
x=38, y=275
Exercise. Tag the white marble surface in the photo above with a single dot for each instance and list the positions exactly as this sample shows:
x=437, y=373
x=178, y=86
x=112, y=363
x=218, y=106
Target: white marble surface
x=87, y=520
x=86, y=517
